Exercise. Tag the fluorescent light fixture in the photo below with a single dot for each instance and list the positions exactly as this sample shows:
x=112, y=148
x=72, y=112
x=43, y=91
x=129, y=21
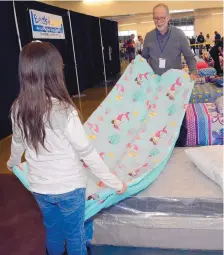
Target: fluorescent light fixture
x=217, y=13
x=140, y=17
x=96, y=1
x=181, y=11
x=129, y=24
x=144, y=22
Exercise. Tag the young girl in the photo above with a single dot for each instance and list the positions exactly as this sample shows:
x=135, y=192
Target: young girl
x=47, y=127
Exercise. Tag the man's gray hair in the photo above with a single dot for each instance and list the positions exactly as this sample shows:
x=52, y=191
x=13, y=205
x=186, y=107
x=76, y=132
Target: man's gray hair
x=164, y=6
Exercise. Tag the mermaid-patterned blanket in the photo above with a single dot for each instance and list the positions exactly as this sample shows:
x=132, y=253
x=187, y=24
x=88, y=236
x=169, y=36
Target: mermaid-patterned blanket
x=134, y=130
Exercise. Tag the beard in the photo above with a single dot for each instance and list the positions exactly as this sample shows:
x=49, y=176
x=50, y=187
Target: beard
x=161, y=28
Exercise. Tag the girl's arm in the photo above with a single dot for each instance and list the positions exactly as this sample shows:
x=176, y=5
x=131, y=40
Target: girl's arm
x=75, y=133
x=17, y=148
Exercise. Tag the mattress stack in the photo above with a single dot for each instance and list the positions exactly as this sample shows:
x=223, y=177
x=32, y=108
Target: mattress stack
x=183, y=209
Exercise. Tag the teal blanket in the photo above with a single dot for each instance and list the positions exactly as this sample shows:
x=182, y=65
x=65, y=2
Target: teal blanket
x=134, y=130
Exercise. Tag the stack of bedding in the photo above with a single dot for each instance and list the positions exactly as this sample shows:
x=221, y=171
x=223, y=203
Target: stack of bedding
x=207, y=72
x=204, y=123
x=206, y=93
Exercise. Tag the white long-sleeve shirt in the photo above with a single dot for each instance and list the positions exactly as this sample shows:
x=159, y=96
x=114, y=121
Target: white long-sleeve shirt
x=58, y=169
x=138, y=46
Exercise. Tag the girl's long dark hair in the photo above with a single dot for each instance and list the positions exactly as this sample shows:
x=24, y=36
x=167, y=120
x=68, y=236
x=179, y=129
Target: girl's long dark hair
x=41, y=78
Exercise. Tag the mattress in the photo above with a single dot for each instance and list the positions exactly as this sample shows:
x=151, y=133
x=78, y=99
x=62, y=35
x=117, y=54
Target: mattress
x=182, y=209
x=205, y=93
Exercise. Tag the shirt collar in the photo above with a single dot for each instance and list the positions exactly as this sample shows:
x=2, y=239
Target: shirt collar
x=169, y=28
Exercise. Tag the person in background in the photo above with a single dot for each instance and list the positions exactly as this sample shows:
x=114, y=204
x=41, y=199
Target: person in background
x=201, y=40
x=121, y=49
x=120, y=45
x=139, y=45
x=131, y=48
x=47, y=127
x=193, y=42
x=215, y=52
x=208, y=42
x=217, y=37
x=162, y=49
x=196, y=42
x=125, y=48
x=189, y=40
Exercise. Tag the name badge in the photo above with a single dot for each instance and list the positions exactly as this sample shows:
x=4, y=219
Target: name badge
x=162, y=63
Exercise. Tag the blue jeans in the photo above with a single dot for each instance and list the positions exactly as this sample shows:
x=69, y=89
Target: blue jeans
x=63, y=217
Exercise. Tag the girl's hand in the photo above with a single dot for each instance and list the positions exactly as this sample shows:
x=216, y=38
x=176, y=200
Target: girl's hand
x=125, y=186
x=10, y=168
x=20, y=166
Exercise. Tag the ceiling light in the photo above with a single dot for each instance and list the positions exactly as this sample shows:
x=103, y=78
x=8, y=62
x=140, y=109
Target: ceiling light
x=181, y=11
x=144, y=22
x=129, y=24
x=217, y=13
x=96, y=1
x=140, y=17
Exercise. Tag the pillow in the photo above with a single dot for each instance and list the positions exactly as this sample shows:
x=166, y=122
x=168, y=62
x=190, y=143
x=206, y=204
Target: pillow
x=219, y=82
x=210, y=79
x=201, y=65
x=208, y=159
x=219, y=104
x=207, y=72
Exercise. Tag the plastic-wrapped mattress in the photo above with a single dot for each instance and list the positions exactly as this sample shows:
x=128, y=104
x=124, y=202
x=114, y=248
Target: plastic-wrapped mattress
x=183, y=209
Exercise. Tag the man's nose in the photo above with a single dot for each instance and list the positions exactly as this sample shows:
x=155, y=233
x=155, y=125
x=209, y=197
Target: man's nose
x=159, y=22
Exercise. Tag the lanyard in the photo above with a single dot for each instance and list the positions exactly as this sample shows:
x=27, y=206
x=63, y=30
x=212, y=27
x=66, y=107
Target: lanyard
x=162, y=48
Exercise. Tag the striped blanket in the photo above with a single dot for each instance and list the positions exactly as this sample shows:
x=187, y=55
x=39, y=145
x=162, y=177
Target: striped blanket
x=204, y=125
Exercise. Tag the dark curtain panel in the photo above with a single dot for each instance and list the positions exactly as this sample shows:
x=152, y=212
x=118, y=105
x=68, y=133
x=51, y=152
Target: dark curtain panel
x=9, y=52
x=64, y=46
x=111, y=46
x=88, y=51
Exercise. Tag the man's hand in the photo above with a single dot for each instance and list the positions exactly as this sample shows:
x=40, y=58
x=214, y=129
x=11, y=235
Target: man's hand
x=193, y=76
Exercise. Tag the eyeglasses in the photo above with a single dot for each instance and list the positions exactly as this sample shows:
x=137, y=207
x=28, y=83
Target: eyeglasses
x=156, y=19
